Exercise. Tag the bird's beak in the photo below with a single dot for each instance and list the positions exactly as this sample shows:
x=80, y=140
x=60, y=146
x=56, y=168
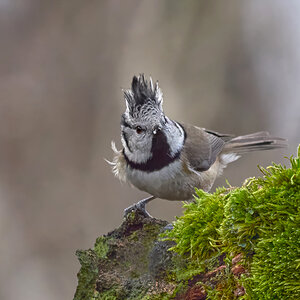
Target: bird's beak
x=156, y=130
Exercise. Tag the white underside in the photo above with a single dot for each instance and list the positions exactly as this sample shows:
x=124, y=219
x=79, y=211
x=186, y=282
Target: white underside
x=172, y=182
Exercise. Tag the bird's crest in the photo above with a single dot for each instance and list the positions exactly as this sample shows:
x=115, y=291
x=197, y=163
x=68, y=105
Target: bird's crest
x=143, y=97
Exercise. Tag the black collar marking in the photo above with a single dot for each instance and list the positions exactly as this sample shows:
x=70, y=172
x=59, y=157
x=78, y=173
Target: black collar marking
x=161, y=156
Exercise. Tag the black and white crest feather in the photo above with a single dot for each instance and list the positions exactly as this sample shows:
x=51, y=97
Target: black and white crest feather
x=142, y=94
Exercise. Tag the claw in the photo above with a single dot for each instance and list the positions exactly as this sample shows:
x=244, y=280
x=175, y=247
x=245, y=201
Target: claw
x=137, y=207
x=140, y=207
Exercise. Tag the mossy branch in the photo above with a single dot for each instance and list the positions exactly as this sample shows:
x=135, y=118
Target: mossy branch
x=236, y=243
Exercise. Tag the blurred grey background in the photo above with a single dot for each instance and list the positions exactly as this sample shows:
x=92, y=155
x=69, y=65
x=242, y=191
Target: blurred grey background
x=231, y=66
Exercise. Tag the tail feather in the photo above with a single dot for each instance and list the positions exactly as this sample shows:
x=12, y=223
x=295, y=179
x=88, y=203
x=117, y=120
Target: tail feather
x=254, y=142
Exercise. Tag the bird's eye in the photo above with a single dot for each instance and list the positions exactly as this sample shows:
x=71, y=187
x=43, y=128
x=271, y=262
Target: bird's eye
x=138, y=129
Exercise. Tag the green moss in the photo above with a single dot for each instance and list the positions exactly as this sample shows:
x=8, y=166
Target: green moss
x=87, y=275
x=224, y=289
x=161, y=296
x=101, y=247
x=261, y=220
x=113, y=293
x=278, y=256
x=196, y=233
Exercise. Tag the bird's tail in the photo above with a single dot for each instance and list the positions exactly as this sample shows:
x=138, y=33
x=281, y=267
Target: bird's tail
x=253, y=142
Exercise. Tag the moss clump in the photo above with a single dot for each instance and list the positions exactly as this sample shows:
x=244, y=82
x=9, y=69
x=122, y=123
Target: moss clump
x=275, y=267
x=101, y=247
x=87, y=275
x=260, y=220
x=196, y=233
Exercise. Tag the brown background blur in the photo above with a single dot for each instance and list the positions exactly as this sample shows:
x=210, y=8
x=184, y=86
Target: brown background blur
x=231, y=66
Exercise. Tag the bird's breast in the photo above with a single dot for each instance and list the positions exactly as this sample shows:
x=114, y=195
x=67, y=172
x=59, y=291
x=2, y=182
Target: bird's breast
x=171, y=182
x=177, y=181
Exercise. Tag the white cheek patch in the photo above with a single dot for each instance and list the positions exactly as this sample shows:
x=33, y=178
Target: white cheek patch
x=138, y=156
x=141, y=151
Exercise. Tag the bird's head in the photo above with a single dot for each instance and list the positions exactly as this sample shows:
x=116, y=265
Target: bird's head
x=145, y=129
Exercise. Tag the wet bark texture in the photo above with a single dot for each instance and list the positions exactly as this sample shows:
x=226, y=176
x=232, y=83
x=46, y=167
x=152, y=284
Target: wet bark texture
x=133, y=262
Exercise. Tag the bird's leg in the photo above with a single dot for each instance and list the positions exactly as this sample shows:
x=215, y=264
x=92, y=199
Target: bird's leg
x=141, y=206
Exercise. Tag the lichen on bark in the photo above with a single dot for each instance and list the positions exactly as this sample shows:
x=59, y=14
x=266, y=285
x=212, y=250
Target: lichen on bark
x=127, y=263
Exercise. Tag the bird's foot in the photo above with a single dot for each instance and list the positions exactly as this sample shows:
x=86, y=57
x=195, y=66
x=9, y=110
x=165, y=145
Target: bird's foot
x=139, y=207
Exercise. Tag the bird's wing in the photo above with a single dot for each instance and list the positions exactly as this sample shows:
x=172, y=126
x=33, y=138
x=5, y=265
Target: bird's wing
x=201, y=148
x=224, y=136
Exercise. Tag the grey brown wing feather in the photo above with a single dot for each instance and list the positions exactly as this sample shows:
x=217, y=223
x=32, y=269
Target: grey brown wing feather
x=201, y=148
x=224, y=136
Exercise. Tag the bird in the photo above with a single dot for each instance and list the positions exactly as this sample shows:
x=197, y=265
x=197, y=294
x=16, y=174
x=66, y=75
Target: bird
x=169, y=159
